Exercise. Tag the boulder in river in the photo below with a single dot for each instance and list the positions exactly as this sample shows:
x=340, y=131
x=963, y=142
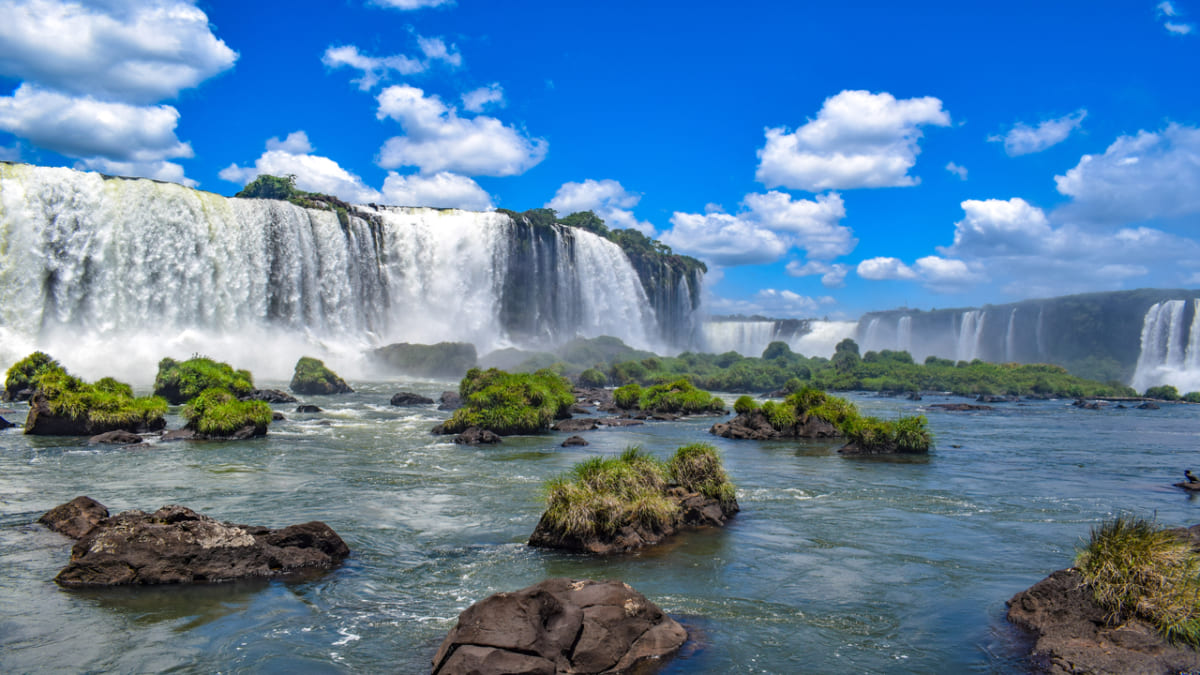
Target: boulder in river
x=75, y=518
x=576, y=424
x=1073, y=634
x=177, y=545
x=312, y=377
x=560, y=626
x=268, y=396
x=574, y=441
x=756, y=426
x=450, y=400
x=306, y=408
x=476, y=436
x=406, y=398
x=118, y=437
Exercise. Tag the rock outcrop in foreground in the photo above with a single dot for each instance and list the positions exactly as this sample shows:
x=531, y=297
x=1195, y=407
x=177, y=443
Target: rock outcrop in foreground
x=176, y=545
x=559, y=626
x=1073, y=635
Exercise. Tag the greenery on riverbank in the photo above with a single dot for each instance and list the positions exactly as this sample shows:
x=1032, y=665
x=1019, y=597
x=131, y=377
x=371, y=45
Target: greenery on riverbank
x=510, y=403
x=181, y=381
x=1136, y=568
x=604, y=494
x=217, y=412
x=885, y=371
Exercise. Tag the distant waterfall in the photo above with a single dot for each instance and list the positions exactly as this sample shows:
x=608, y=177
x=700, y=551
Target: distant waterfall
x=904, y=341
x=748, y=338
x=751, y=337
x=970, y=334
x=1010, y=337
x=107, y=272
x=1170, y=349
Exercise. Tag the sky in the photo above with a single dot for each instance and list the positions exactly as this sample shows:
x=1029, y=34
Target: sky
x=824, y=159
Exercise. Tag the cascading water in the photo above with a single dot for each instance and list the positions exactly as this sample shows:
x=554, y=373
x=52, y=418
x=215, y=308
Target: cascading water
x=748, y=338
x=1010, y=337
x=1170, y=349
x=109, y=275
x=904, y=341
x=970, y=334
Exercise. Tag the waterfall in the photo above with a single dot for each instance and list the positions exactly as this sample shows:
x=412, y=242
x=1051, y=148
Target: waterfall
x=904, y=341
x=1041, y=342
x=748, y=338
x=1169, y=348
x=823, y=337
x=1010, y=337
x=110, y=275
x=970, y=335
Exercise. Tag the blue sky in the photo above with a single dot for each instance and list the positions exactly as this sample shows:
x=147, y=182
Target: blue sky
x=825, y=160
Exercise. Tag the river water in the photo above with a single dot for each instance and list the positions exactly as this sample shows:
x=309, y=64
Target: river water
x=834, y=565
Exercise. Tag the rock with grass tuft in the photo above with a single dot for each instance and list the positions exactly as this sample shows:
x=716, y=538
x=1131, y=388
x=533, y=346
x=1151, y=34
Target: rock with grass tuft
x=64, y=405
x=218, y=414
x=181, y=381
x=312, y=377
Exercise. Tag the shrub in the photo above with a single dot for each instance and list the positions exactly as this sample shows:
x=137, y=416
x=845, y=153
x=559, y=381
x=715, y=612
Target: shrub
x=103, y=406
x=592, y=378
x=680, y=396
x=510, y=403
x=21, y=375
x=1191, y=397
x=628, y=396
x=1163, y=392
x=697, y=468
x=744, y=405
x=217, y=412
x=180, y=382
x=1138, y=569
x=602, y=495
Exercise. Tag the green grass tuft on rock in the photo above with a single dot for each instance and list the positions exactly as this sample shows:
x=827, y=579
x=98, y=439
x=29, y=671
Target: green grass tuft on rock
x=181, y=381
x=1136, y=568
x=313, y=377
x=603, y=494
x=217, y=412
x=103, y=406
x=21, y=375
x=697, y=468
x=511, y=403
x=679, y=396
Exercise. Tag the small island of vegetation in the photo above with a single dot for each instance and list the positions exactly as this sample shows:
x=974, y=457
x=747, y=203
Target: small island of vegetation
x=181, y=381
x=613, y=504
x=678, y=397
x=507, y=404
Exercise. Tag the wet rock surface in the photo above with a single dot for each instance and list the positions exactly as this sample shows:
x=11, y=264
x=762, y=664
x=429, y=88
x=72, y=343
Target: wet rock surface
x=119, y=437
x=450, y=400
x=176, y=545
x=560, y=626
x=755, y=426
x=407, y=398
x=574, y=441
x=477, y=436
x=1073, y=636
x=268, y=396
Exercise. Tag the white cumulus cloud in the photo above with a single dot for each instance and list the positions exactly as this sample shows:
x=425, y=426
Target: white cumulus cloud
x=437, y=139
x=858, y=139
x=606, y=198
x=88, y=129
x=134, y=52
x=767, y=227
x=314, y=173
x=374, y=68
x=477, y=99
x=1023, y=139
x=998, y=227
x=443, y=190
x=832, y=275
x=885, y=268
x=1139, y=177
x=412, y=4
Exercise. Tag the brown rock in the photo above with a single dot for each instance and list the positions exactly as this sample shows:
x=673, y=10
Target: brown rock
x=1073, y=634
x=559, y=626
x=959, y=407
x=574, y=441
x=477, y=436
x=177, y=545
x=755, y=426
x=75, y=518
x=118, y=437
x=577, y=424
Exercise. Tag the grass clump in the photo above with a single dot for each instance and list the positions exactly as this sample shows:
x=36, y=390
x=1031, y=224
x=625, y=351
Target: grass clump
x=1136, y=568
x=511, y=403
x=312, y=377
x=217, y=412
x=181, y=381
x=697, y=468
x=744, y=404
x=679, y=396
x=603, y=494
x=95, y=408
x=21, y=376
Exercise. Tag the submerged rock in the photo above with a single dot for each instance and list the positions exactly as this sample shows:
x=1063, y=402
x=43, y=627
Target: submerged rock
x=574, y=441
x=477, y=436
x=1073, y=634
x=450, y=400
x=118, y=437
x=268, y=396
x=559, y=626
x=757, y=427
x=959, y=407
x=177, y=545
x=406, y=398
x=306, y=408
x=1148, y=405
x=577, y=424
x=75, y=518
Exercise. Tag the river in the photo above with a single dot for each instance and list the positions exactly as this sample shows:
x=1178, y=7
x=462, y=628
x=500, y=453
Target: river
x=834, y=565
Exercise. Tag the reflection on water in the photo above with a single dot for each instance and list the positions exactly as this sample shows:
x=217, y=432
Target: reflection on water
x=835, y=564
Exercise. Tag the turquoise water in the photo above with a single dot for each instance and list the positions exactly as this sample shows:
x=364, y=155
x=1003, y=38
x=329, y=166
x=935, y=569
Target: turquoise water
x=834, y=564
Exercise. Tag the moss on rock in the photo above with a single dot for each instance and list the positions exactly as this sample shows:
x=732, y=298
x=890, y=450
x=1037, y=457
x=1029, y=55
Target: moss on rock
x=19, y=380
x=312, y=377
x=218, y=413
x=64, y=405
x=181, y=381
x=679, y=397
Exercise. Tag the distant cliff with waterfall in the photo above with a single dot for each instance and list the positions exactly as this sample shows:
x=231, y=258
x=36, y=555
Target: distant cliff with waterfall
x=1143, y=337
x=99, y=268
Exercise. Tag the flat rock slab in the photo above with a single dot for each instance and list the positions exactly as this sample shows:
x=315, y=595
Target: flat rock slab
x=577, y=424
x=559, y=626
x=176, y=545
x=118, y=437
x=75, y=518
x=1074, y=637
x=269, y=396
